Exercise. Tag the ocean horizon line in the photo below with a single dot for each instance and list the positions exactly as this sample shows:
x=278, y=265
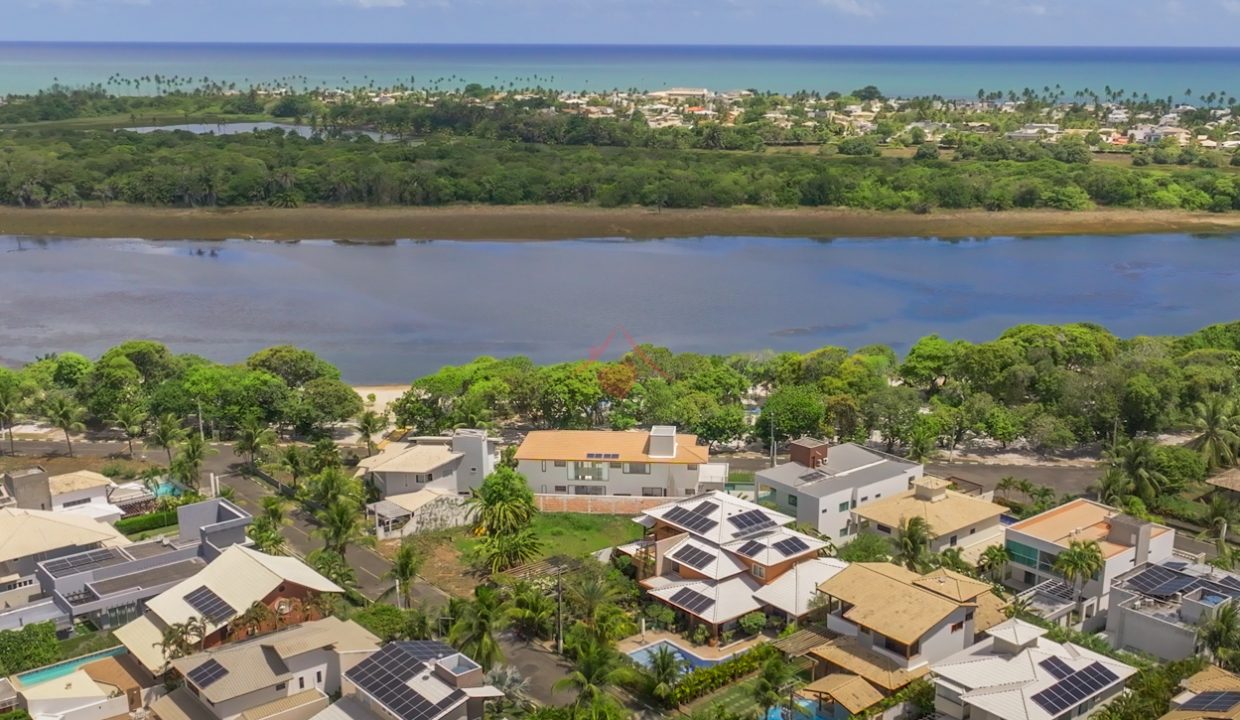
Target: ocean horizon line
x=842, y=46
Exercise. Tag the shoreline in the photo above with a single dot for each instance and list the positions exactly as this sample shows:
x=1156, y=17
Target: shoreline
x=559, y=222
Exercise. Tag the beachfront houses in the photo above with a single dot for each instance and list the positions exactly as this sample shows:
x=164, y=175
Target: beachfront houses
x=1157, y=608
x=413, y=680
x=659, y=462
x=291, y=674
x=966, y=522
x=821, y=485
x=893, y=623
x=1017, y=673
x=227, y=588
x=715, y=558
x=1034, y=544
x=1211, y=694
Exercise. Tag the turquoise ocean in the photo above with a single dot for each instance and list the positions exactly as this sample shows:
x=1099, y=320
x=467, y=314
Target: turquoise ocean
x=901, y=71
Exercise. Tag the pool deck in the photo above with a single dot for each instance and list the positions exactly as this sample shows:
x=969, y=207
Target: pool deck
x=706, y=652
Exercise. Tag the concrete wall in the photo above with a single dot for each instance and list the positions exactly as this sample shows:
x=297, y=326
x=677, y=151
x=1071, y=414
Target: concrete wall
x=673, y=480
x=823, y=512
x=74, y=709
x=94, y=496
x=965, y=537
x=1131, y=629
x=597, y=504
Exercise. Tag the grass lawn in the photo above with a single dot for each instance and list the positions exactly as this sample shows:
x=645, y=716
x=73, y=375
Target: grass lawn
x=736, y=698
x=87, y=643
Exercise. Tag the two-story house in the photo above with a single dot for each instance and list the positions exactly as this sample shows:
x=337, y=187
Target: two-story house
x=821, y=485
x=222, y=591
x=715, y=558
x=291, y=674
x=413, y=680
x=655, y=463
x=894, y=623
x=1016, y=673
x=1212, y=694
x=1034, y=544
x=956, y=520
x=1157, y=608
x=82, y=492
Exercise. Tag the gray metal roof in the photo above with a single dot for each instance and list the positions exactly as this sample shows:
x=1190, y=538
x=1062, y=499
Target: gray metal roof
x=846, y=466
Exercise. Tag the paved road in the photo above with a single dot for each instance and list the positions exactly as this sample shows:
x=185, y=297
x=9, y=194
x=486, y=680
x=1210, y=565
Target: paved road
x=1064, y=480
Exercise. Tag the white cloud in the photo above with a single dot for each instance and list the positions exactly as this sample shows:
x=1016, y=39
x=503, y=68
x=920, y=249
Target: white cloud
x=861, y=8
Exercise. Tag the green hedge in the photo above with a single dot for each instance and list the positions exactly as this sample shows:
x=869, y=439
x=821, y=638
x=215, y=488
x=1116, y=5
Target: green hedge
x=709, y=679
x=150, y=521
x=17, y=714
x=33, y=646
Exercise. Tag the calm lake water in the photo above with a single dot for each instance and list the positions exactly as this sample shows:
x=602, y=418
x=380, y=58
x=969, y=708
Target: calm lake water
x=390, y=313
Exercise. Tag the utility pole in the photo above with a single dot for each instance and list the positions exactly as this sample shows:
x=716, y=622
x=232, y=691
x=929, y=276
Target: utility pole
x=559, y=613
x=201, y=435
x=772, y=442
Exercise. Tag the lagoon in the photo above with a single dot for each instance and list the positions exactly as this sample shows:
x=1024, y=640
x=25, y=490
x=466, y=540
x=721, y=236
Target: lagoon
x=386, y=313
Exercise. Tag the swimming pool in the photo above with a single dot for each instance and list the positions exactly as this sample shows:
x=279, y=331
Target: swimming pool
x=167, y=489
x=68, y=667
x=641, y=656
x=806, y=710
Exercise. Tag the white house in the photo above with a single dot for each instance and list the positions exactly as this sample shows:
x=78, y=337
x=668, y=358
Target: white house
x=1157, y=608
x=655, y=463
x=820, y=486
x=455, y=464
x=1016, y=673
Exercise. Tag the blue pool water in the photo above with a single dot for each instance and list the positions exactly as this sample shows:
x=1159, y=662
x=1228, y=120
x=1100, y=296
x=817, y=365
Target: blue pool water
x=806, y=710
x=51, y=672
x=166, y=489
x=641, y=656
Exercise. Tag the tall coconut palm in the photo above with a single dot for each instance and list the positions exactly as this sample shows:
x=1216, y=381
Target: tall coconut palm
x=406, y=564
x=342, y=524
x=253, y=439
x=502, y=552
x=994, y=561
x=368, y=425
x=1113, y=488
x=597, y=669
x=1081, y=561
x=588, y=593
x=332, y=484
x=131, y=420
x=1216, y=421
x=1219, y=635
x=274, y=510
x=1006, y=484
x=1135, y=458
x=333, y=566
x=64, y=413
x=531, y=611
x=503, y=504
x=665, y=669
x=324, y=455
x=267, y=537
x=167, y=434
x=769, y=690
x=952, y=558
x=254, y=618
x=912, y=542
x=176, y=641
x=294, y=461
x=190, y=456
x=1220, y=514
x=12, y=402
x=475, y=629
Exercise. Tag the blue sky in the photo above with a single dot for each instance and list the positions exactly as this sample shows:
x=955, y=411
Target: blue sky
x=813, y=22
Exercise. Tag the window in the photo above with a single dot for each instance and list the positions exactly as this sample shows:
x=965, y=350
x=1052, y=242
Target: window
x=639, y=469
x=692, y=467
x=589, y=490
x=73, y=503
x=561, y=463
x=877, y=495
x=544, y=466
x=968, y=615
x=281, y=686
x=301, y=683
x=867, y=497
x=318, y=677
x=792, y=500
x=844, y=531
x=883, y=529
x=758, y=571
x=972, y=530
x=844, y=506
x=952, y=541
x=654, y=492
x=957, y=627
x=615, y=465
x=561, y=489
x=853, y=504
x=690, y=492
x=1022, y=554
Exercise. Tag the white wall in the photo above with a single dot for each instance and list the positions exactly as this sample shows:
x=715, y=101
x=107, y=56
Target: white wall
x=675, y=480
x=74, y=709
x=95, y=495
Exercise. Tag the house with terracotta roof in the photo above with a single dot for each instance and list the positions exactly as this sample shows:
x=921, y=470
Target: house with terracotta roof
x=956, y=520
x=715, y=558
x=1017, y=673
x=894, y=623
x=1212, y=694
x=659, y=462
x=1034, y=544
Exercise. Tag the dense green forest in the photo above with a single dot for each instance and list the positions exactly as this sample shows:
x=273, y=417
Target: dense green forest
x=68, y=168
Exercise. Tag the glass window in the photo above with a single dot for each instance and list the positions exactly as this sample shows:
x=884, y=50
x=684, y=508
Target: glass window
x=758, y=571
x=561, y=463
x=883, y=529
x=654, y=492
x=639, y=469
x=844, y=532
x=844, y=507
x=792, y=500
x=692, y=467
x=1022, y=554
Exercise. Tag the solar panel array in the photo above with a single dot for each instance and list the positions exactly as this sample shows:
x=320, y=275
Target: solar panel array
x=1056, y=667
x=751, y=548
x=1161, y=582
x=82, y=562
x=385, y=676
x=602, y=456
x=692, y=600
x=1215, y=701
x=791, y=546
x=1071, y=690
x=207, y=673
x=691, y=521
x=209, y=605
x=706, y=508
x=695, y=558
x=751, y=521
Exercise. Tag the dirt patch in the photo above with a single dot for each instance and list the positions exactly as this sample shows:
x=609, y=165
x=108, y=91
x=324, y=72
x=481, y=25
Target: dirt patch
x=444, y=568
x=56, y=464
x=566, y=222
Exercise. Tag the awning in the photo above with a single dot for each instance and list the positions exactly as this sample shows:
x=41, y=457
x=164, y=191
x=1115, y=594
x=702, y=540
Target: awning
x=851, y=691
x=879, y=670
x=388, y=510
x=142, y=638
x=180, y=704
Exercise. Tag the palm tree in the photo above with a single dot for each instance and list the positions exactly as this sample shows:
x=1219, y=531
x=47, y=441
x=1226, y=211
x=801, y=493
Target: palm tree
x=274, y=510
x=1081, y=561
x=1019, y=607
x=1219, y=635
x=255, y=617
x=768, y=692
x=1137, y=461
x=369, y=424
x=333, y=566
x=324, y=455
x=167, y=434
x=1006, y=484
x=508, y=680
x=342, y=524
x=475, y=628
x=952, y=558
x=1113, y=488
x=1216, y=421
x=912, y=542
x=665, y=669
x=197, y=628
x=1220, y=514
x=501, y=552
x=531, y=611
x=503, y=504
x=294, y=461
x=12, y=401
x=64, y=413
x=131, y=419
x=188, y=464
x=994, y=562
x=175, y=642
x=597, y=668
x=921, y=444
x=253, y=438
x=406, y=564
x=332, y=484
x=267, y=537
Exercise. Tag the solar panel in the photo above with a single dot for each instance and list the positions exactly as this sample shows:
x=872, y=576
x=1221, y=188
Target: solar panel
x=751, y=521
x=692, y=600
x=693, y=557
x=751, y=548
x=791, y=546
x=385, y=676
x=1175, y=585
x=691, y=521
x=1150, y=578
x=207, y=673
x=591, y=456
x=1056, y=667
x=209, y=605
x=1071, y=690
x=613, y=456
x=706, y=508
x=81, y=562
x=1214, y=701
